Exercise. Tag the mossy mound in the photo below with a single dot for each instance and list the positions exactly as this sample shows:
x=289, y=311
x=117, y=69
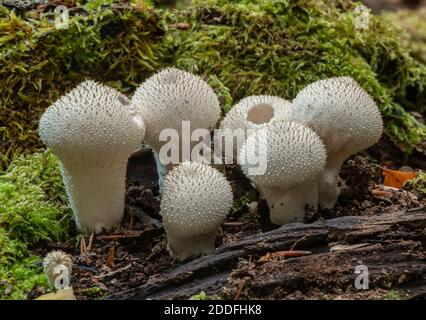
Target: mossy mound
x=251, y=47
x=413, y=22
x=33, y=210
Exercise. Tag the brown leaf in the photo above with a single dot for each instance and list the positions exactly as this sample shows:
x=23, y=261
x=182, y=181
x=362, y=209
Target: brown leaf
x=396, y=179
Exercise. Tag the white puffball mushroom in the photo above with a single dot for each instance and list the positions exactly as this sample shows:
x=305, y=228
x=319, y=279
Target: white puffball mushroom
x=250, y=113
x=345, y=117
x=196, y=199
x=171, y=96
x=93, y=131
x=54, y=264
x=288, y=157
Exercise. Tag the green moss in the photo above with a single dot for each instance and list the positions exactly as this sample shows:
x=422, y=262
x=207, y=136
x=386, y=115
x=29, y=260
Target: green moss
x=393, y=295
x=203, y=296
x=413, y=22
x=33, y=209
x=21, y=277
x=418, y=184
x=93, y=292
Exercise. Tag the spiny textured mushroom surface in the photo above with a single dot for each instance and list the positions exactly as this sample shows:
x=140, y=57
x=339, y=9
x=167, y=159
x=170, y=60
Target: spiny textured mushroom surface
x=196, y=199
x=347, y=120
x=93, y=131
x=284, y=160
x=263, y=109
x=250, y=113
x=91, y=117
x=341, y=112
x=54, y=259
x=171, y=96
x=293, y=153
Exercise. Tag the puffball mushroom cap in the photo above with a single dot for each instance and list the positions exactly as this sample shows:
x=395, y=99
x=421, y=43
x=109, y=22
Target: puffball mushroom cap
x=294, y=157
x=196, y=199
x=256, y=110
x=252, y=112
x=341, y=112
x=294, y=153
x=91, y=118
x=93, y=130
x=171, y=96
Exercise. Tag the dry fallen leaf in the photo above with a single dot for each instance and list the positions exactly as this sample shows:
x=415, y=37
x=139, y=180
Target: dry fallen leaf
x=83, y=246
x=396, y=179
x=381, y=193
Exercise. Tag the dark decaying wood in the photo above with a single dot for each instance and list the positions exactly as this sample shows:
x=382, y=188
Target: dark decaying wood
x=391, y=245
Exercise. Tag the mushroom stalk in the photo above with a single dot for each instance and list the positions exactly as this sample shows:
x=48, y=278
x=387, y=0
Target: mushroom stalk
x=161, y=170
x=183, y=248
x=286, y=206
x=328, y=189
x=105, y=205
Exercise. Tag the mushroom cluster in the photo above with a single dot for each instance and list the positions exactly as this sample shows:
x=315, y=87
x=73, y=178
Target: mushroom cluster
x=291, y=151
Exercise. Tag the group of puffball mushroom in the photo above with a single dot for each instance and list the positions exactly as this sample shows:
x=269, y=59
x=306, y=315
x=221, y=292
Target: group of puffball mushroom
x=94, y=129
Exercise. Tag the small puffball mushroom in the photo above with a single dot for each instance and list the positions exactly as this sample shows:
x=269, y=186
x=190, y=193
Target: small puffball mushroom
x=93, y=131
x=196, y=199
x=250, y=113
x=57, y=264
x=347, y=120
x=293, y=157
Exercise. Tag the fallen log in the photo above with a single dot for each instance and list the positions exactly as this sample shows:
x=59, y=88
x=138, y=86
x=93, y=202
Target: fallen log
x=390, y=245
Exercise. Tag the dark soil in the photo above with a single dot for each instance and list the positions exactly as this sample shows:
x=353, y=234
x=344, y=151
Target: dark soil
x=136, y=254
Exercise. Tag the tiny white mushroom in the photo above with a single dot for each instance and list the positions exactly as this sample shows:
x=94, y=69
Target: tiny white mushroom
x=294, y=156
x=347, y=120
x=250, y=113
x=169, y=97
x=58, y=264
x=196, y=199
x=93, y=131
